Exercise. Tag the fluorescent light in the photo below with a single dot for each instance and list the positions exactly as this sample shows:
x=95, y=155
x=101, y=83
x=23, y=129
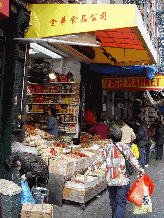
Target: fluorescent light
x=33, y=51
x=45, y=51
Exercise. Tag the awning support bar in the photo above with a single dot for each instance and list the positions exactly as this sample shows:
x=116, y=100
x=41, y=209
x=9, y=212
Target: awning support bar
x=39, y=40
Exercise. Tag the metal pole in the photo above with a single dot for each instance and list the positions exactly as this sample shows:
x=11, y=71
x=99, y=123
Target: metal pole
x=145, y=13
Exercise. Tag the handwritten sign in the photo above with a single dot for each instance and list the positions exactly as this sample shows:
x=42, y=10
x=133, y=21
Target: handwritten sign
x=133, y=83
x=4, y=9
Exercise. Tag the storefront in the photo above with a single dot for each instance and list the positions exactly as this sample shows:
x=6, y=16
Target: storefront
x=56, y=81
x=132, y=96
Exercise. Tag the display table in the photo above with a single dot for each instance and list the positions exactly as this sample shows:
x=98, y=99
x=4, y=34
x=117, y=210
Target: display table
x=84, y=192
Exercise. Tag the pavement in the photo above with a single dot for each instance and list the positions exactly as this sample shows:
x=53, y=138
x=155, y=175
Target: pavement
x=99, y=206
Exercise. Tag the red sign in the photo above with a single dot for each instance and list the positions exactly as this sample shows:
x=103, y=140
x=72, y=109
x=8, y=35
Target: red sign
x=4, y=9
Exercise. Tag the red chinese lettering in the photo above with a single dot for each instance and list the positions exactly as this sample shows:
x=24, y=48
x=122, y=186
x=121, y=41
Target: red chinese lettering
x=73, y=19
x=63, y=20
x=53, y=22
x=83, y=20
x=93, y=17
x=103, y=16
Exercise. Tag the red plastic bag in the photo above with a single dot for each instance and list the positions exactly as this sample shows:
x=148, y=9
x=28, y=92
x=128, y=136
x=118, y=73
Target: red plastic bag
x=136, y=193
x=149, y=183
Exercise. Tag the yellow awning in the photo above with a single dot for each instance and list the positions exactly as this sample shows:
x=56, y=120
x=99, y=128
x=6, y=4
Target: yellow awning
x=118, y=27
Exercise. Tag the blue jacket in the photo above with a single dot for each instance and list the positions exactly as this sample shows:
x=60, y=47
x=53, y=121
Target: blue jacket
x=159, y=135
x=52, y=127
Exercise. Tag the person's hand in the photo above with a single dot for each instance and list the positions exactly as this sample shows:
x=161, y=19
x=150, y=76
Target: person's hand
x=23, y=177
x=141, y=172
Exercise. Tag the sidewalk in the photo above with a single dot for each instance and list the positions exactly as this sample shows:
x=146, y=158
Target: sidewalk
x=99, y=207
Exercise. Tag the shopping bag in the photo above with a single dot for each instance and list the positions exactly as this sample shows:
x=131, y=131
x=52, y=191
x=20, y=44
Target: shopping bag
x=149, y=183
x=146, y=206
x=135, y=150
x=26, y=196
x=136, y=194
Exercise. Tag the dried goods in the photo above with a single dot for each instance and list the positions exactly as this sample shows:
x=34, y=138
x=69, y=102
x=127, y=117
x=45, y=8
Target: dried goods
x=9, y=188
x=97, y=137
x=85, y=137
x=60, y=145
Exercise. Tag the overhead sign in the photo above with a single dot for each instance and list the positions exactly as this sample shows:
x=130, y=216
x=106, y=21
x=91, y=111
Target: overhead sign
x=4, y=9
x=61, y=19
x=133, y=83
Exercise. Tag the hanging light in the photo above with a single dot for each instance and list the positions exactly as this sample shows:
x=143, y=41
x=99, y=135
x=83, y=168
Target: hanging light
x=52, y=76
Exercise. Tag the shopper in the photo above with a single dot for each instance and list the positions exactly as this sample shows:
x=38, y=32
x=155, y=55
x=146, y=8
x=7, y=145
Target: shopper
x=52, y=127
x=100, y=129
x=148, y=145
x=30, y=166
x=141, y=141
x=128, y=135
x=159, y=139
x=118, y=182
x=89, y=118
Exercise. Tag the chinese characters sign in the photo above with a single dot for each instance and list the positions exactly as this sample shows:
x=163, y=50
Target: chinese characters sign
x=4, y=9
x=133, y=83
x=62, y=19
x=83, y=19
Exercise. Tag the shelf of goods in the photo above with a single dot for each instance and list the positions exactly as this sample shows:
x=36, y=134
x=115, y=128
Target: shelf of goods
x=68, y=162
x=57, y=94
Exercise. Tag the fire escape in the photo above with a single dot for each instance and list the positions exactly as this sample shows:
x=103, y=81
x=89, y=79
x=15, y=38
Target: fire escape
x=160, y=20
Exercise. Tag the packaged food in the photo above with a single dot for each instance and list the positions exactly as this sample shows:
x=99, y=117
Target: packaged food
x=67, y=118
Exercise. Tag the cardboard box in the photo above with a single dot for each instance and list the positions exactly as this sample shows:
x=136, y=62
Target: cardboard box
x=37, y=211
x=62, y=168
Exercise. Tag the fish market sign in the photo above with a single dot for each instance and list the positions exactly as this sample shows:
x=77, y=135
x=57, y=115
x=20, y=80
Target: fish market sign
x=133, y=83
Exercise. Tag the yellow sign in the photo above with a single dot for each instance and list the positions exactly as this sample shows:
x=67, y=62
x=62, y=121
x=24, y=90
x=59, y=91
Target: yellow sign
x=61, y=19
x=133, y=83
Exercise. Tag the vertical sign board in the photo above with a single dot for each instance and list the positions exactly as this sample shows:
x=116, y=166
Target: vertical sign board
x=4, y=9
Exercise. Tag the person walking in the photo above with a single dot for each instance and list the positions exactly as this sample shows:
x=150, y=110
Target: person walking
x=128, y=135
x=141, y=141
x=118, y=183
x=159, y=139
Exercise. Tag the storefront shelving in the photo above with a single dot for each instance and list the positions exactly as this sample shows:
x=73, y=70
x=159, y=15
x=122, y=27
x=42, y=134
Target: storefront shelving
x=50, y=86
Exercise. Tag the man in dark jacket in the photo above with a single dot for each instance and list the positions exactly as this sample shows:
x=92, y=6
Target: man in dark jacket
x=159, y=139
x=141, y=141
x=30, y=167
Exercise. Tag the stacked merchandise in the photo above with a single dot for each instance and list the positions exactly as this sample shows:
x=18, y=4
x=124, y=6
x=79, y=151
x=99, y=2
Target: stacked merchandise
x=81, y=190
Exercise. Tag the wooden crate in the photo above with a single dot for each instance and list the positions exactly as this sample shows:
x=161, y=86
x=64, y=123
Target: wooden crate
x=83, y=195
x=37, y=211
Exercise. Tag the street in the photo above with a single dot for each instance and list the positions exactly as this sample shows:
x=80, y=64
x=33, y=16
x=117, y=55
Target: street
x=99, y=207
